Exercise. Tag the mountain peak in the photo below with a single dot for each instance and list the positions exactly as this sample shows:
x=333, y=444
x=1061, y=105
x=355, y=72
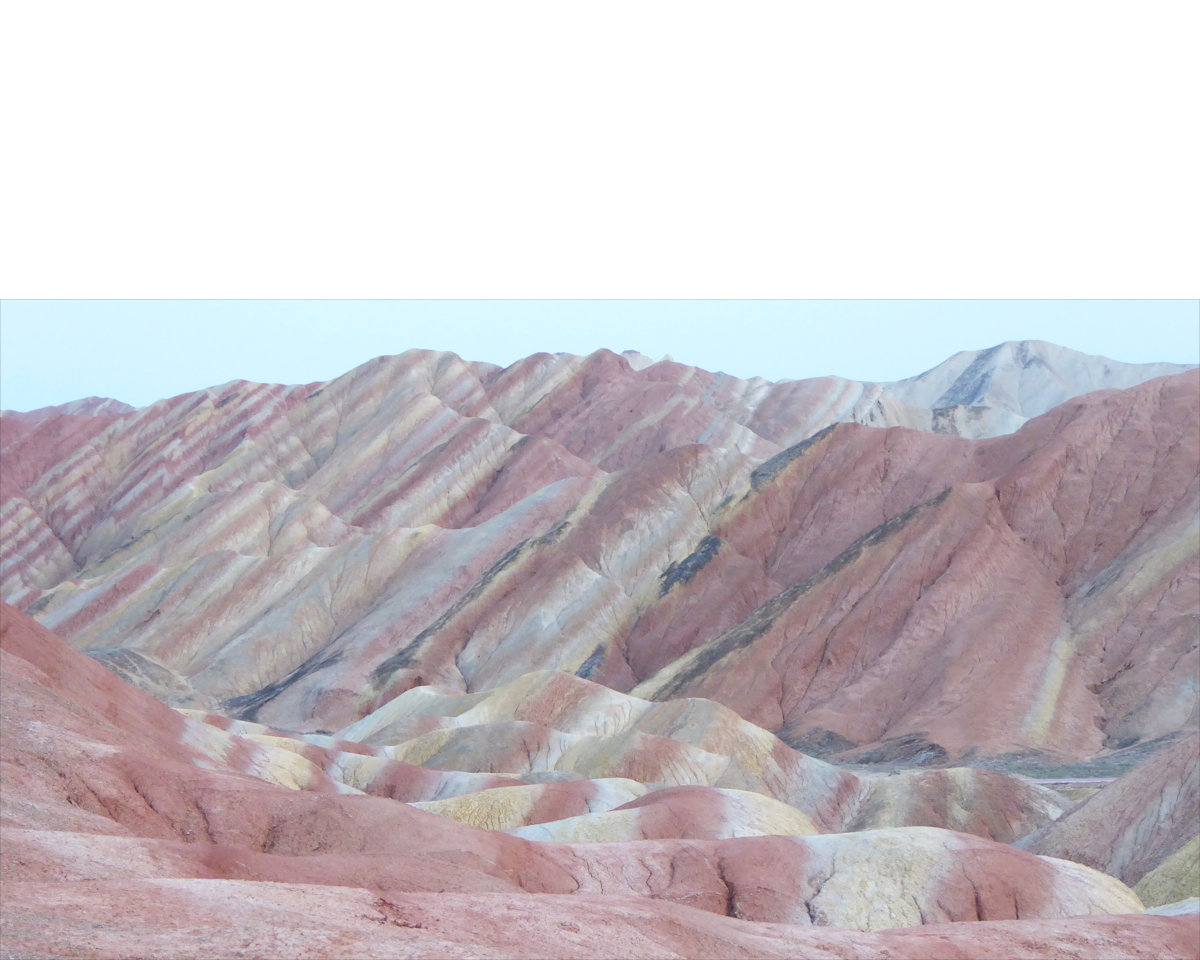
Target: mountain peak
x=1022, y=377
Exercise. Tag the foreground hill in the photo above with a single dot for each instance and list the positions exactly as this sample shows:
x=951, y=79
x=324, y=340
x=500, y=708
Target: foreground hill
x=303, y=555
x=127, y=832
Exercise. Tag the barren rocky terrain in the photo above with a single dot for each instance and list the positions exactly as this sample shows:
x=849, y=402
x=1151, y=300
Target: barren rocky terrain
x=594, y=656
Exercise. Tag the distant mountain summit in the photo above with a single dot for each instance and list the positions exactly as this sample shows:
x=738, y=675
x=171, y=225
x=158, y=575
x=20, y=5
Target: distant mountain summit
x=88, y=406
x=1024, y=378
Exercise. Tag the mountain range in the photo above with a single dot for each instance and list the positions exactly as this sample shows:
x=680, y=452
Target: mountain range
x=615, y=635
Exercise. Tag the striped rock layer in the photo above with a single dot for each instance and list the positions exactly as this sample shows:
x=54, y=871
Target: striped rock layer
x=130, y=830
x=300, y=556
x=1136, y=823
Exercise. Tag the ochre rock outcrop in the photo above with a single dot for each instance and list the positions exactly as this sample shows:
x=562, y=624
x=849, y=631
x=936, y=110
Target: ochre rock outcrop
x=1175, y=879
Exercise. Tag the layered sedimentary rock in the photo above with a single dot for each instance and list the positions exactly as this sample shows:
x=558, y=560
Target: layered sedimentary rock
x=125, y=822
x=1136, y=823
x=558, y=724
x=301, y=555
x=543, y=653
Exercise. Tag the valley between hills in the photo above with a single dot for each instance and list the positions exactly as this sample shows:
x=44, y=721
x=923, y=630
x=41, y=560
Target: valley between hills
x=606, y=657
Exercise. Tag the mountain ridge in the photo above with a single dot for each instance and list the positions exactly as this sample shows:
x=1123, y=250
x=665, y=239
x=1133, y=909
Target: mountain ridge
x=1089, y=372
x=622, y=507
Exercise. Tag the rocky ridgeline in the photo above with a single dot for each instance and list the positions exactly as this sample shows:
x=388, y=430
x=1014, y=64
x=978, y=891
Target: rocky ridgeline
x=301, y=555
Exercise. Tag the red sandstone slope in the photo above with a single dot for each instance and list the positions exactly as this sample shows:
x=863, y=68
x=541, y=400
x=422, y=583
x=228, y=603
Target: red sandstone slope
x=1136, y=822
x=1017, y=579
x=301, y=555
x=115, y=830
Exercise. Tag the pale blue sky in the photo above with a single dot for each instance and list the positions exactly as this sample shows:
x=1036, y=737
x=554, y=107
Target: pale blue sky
x=53, y=351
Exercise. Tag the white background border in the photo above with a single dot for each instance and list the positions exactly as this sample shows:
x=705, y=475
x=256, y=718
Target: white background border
x=556, y=149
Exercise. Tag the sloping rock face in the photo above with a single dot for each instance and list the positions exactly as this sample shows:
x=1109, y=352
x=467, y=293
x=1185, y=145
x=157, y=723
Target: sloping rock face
x=1138, y=822
x=299, y=556
x=127, y=833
